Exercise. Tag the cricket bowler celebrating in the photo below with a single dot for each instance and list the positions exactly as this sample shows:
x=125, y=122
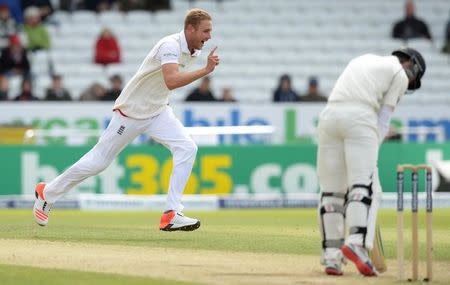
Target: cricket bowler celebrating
x=351, y=128
x=143, y=107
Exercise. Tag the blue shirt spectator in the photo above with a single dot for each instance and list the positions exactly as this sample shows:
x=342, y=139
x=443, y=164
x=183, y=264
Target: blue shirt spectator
x=284, y=91
x=15, y=7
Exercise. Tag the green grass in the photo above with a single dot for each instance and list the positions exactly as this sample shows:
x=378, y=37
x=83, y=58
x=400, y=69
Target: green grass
x=292, y=231
x=13, y=275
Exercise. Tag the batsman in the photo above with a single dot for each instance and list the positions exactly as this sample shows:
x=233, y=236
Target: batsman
x=351, y=128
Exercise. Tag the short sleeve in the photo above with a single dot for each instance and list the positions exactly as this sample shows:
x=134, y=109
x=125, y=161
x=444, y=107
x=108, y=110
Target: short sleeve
x=169, y=52
x=397, y=89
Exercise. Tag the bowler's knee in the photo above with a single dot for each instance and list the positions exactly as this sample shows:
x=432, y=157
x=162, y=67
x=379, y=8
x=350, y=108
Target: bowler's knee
x=185, y=153
x=92, y=163
x=191, y=150
x=100, y=166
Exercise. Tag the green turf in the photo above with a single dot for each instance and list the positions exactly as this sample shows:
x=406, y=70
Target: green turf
x=13, y=275
x=291, y=231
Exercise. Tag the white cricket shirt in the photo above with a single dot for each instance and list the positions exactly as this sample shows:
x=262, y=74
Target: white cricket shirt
x=146, y=94
x=371, y=80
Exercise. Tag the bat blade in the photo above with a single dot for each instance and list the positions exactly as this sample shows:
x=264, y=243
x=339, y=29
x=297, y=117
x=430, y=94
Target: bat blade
x=377, y=252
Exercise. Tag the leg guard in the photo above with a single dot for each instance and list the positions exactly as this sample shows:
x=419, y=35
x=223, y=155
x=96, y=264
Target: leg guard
x=358, y=204
x=332, y=222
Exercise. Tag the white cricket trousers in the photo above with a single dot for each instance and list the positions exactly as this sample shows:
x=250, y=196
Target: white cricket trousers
x=348, y=146
x=347, y=156
x=164, y=128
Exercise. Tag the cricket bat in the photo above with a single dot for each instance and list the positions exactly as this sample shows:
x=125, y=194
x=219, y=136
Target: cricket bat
x=377, y=252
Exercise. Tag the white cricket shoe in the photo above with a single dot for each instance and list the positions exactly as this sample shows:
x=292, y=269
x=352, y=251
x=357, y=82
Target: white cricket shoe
x=176, y=221
x=41, y=208
x=360, y=257
x=333, y=259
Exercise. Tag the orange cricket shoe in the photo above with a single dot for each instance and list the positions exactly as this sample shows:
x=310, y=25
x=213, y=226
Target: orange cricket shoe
x=41, y=208
x=359, y=256
x=176, y=221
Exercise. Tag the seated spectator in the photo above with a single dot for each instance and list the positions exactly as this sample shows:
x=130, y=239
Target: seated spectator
x=37, y=34
x=201, y=93
x=116, y=88
x=284, y=91
x=95, y=92
x=227, y=96
x=57, y=92
x=45, y=7
x=26, y=93
x=446, y=47
x=4, y=88
x=411, y=26
x=8, y=26
x=107, y=49
x=15, y=9
x=313, y=94
x=14, y=59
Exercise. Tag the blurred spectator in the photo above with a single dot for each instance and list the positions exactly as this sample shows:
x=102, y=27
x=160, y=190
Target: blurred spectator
x=14, y=60
x=26, y=93
x=202, y=93
x=153, y=6
x=446, y=47
x=227, y=95
x=410, y=27
x=284, y=91
x=57, y=92
x=8, y=26
x=45, y=7
x=95, y=92
x=15, y=8
x=116, y=88
x=4, y=88
x=37, y=34
x=313, y=94
x=107, y=48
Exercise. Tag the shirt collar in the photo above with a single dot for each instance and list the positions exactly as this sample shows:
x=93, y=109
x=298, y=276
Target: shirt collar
x=184, y=45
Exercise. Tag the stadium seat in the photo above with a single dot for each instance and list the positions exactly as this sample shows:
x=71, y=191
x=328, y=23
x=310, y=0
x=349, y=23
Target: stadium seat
x=84, y=17
x=111, y=18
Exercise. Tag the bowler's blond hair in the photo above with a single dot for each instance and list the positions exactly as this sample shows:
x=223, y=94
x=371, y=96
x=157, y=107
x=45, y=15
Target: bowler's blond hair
x=195, y=16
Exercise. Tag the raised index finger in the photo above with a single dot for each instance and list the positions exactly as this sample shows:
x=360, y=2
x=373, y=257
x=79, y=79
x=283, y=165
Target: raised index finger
x=213, y=50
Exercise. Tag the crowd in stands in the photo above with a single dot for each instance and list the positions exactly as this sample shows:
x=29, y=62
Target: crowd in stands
x=23, y=31
x=203, y=93
x=286, y=93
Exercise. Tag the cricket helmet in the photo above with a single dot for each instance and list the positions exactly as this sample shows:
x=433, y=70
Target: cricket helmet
x=417, y=69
